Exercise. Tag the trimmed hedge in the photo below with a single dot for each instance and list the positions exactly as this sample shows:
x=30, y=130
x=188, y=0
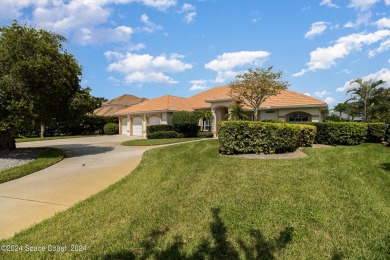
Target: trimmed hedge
x=237, y=137
x=186, y=123
x=157, y=128
x=340, y=133
x=111, y=129
x=164, y=135
x=308, y=134
x=376, y=132
x=205, y=135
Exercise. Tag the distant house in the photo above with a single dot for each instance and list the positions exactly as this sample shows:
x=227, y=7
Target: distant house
x=288, y=106
x=109, y=108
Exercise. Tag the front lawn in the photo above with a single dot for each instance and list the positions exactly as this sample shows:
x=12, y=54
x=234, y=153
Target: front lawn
x=151, y=142
x=188, y=202
x=46, y=159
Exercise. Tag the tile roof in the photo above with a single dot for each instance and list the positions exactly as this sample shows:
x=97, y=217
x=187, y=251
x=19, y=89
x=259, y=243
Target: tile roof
x=107, y=111
x=109, y=108
x=286, y=98
x=164, y=103
x=124, y=100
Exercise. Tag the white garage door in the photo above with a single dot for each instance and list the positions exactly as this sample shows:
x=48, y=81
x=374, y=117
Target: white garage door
x=124, y=126
x=154, y=120
x=137, y=126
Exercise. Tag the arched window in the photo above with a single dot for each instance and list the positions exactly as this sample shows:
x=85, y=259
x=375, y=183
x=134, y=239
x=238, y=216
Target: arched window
x=298, y=117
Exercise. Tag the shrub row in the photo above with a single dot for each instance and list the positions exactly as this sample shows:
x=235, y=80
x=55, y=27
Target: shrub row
x=87, y=125
x=164, y=135
x=205, y=135
x=157, y=128
x=237, y=137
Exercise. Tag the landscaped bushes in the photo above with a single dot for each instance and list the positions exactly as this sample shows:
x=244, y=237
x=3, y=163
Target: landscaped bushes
x=164, y=135
x=205, y=135
x=376, y=132
x=186, y=123
x=340, y=133
x=237, y=137
x=157, y=128
x=111, y=129
x=308, y=134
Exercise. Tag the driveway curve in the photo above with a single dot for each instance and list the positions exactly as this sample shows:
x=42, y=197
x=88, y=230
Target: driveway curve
x=91, y=165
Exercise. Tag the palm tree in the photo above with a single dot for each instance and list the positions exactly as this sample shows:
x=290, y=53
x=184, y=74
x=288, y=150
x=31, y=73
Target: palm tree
x=205, y=115
x=236, y=112
x=363, y=93
x=341, y=108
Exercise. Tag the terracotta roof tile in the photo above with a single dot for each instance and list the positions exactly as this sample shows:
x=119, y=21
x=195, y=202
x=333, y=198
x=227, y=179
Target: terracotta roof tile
x=164, y=103
x=107, y=111
x=125, y=100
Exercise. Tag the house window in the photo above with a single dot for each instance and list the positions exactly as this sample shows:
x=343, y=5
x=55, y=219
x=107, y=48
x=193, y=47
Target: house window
x=298, y=117
x=207, y=124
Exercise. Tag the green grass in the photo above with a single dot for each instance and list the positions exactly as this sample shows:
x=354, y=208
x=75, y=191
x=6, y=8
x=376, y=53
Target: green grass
x=47, y=158
x=188, y=202
x=151, y=142
x=33, y=139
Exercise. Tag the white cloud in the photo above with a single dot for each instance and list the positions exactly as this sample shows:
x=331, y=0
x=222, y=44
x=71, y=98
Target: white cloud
x=387, y=2
x=149, y=26
x=230, y=60
x=383, y=74
x=317, y=28
x=329, y=100
x=362, y=4
x=198, y=85
x=86, y=36
x=76, y=18
x=144, y=68
x=329, y=3
x=307, y=94
x=384, y=46
x=383, y=23
x=325, y=58
x=189, y=12
x=226, y=65
x=322, y=93
x=363, y=18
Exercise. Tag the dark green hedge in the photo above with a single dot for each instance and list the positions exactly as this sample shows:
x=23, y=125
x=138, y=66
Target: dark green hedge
x=87, y=125
x=111, y=129
x=237, y=137
x=205, y=135
x=308, y=134
x=164, y=135
x=157, y=128
x=340, y=133
x=376, y=132
x=186, y=123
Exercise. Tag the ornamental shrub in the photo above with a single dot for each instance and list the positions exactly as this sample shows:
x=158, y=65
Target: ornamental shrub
x=205, y=135
x=236, y=137
x=186, y=123
x=157, y=128
x=376, y=132
x=163, y=135
x=111, y=129
x=340, y=133
x=308, y=134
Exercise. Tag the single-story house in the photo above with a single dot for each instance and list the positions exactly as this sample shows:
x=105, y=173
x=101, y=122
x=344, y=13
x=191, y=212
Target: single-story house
x=288, y=106
x=109, y=108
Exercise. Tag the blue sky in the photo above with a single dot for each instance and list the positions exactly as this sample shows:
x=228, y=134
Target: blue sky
x=151, y=48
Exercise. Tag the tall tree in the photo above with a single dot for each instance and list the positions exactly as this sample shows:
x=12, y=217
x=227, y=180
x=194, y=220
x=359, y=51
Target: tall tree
x=256, y=85
x=341, y=108
x=38, y=78
x=363, y=93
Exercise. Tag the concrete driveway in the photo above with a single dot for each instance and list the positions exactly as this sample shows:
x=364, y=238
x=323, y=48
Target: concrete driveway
x=91, y=165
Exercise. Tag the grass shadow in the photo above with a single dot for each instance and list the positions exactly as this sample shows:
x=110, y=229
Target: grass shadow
x=386, y=166
x=79, y=150
x=220, y=247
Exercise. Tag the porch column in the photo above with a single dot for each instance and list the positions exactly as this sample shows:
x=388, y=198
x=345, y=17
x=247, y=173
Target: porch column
x=129, y=125
x=214, y=123
x=144, y=124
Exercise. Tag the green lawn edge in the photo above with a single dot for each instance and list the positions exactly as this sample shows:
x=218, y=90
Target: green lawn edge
x=46, y=159
x=153, y=142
